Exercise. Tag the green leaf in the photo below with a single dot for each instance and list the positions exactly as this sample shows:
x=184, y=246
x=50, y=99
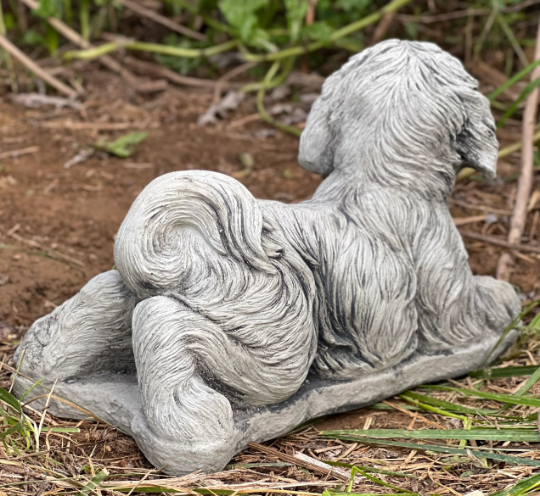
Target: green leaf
x=516, y=435
x=9, y=21
x=124, y=146
x=411, y=28
x=32, y=37
x=66, y=430
x=49, y=8
x=10, y=400
x=15, y=428
x=296, y=11
x=353, y=5
x=242, y=18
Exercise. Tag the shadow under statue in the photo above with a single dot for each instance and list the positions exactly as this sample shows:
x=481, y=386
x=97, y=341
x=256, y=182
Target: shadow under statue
x=231, y=319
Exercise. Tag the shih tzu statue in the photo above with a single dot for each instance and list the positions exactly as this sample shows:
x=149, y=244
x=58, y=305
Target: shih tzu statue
x=230, y=319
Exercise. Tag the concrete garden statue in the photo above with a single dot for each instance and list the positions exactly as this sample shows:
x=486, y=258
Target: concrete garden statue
x=230, y=319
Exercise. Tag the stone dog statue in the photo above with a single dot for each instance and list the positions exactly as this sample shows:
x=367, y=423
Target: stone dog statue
x=231, y=319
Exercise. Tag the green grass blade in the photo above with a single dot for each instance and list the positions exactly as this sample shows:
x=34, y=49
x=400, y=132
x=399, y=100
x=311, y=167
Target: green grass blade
x=413, y=398
x=514, y=460
x=94, y=483
x=515, y=435
x=531, y=381
x=355, y=470
x=535, y=323
x=518, y=77
x=501, y=373
x=524, y=94
x=522, y=487
x=422, y=398
x=10, y=400
x=510, y=399
x=512, y=325
x=365, y=468
x=65, y=430
x=29, y=390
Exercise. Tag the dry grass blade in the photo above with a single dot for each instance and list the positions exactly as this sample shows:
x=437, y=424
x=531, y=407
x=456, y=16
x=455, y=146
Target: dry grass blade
x=302, y=462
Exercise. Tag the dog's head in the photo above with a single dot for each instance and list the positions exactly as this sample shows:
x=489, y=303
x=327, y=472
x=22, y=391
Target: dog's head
x=400, y=103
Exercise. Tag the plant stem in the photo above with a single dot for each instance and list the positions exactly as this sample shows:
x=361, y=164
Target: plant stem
x=84, y=18
x=68, y=12
x=106, y=48
x=287, y=67
x=260, y=100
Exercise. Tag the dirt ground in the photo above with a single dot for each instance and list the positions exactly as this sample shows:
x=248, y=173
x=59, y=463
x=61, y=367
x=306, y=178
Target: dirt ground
x=77, y=211
x=57, y=224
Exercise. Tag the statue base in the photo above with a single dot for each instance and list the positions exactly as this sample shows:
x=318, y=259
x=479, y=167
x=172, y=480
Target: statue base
x=115, y=399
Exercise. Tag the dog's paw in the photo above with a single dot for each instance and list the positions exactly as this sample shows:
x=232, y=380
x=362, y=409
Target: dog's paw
x=89, y=333
x=498, y=302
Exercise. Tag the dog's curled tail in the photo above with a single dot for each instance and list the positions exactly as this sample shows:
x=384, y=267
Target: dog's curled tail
x=177, y=217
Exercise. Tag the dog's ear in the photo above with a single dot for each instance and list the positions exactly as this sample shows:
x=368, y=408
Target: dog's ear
x=477, y=143
x=316, y=150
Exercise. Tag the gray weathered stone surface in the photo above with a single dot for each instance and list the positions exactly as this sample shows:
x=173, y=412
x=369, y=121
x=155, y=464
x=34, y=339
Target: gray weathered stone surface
x=231, y=319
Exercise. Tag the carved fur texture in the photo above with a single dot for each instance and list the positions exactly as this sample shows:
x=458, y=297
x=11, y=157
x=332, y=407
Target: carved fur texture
x=239, y=300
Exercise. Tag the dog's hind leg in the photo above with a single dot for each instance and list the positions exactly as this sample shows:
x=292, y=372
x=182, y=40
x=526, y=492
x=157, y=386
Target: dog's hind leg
x=173, y=346
x=187, y=369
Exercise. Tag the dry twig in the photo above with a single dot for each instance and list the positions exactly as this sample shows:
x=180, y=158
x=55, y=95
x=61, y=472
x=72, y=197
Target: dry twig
x=500, y=242
x=18, y=153
x=301, y=462
x=164, y=21
x=519, y=217
x=148, y=68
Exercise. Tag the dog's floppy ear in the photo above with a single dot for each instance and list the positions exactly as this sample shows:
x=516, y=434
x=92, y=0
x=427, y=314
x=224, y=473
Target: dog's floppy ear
x=316, y=150
x=477, y=143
